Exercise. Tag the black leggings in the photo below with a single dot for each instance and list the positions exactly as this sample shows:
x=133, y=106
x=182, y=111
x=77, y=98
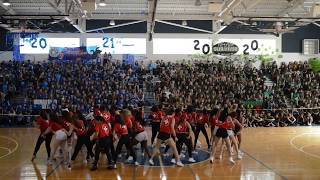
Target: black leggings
x=183, y=139
x=155, y=130
x=125, y=140
x=200, y=127
x=104, y=144
x=40, y=140
x=83, y=140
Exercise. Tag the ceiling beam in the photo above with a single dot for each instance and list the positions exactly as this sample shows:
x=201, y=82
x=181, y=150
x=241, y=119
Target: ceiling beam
x=292, y=5
x=8, y=10
x=152, y=10
x=115, y=26
x=55, y=5
x=182, y=26
x=250, y=5
x=229, y=6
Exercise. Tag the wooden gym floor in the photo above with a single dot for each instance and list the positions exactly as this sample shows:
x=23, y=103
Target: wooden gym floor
x=269, y=153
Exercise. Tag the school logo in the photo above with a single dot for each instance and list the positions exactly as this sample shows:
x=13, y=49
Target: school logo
x=225, y=48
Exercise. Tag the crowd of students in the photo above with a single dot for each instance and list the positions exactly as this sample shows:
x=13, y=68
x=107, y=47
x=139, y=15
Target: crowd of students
x=107, y=131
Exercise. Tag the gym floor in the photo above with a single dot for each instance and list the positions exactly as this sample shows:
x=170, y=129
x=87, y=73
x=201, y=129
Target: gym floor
x=269, y=153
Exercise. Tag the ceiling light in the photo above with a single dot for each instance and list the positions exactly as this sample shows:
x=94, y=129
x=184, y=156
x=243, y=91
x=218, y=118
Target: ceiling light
x=6, y=3
x=102, y=3
x=184, y=23
x=197, y=3
x=112, y=23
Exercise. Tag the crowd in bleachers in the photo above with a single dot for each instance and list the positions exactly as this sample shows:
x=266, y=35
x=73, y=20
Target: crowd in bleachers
x=203, y=85
x=77, y=84
x=210, y=84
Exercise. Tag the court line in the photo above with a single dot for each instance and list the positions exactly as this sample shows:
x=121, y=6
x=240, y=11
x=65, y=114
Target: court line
x=10, y=151
x=54, y=169
x=192, y=172
x=301, y=149
x=266, y=166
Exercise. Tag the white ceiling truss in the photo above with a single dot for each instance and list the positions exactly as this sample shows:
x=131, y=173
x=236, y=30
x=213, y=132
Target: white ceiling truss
x=161, y=10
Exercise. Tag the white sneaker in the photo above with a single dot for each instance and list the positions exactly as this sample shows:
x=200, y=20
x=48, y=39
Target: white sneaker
x=211, y=159
x=239, y=156
x=136, y=163
x=220, y=156
x=231, y=160
x=191, y=160
x=151, y=162
x=130, y=158
x=173, y=161
x=179, y=163
x=182, y=156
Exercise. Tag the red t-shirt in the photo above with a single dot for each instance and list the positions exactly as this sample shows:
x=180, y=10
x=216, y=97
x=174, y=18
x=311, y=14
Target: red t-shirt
x=214, y=121
x=185, y=116
x=103, y=129
x=165, y=125
x=55, y=126
x=128, y=121
x=137, y=127
x=182, y=128
x=192, y=118
x=202, y=118
x=177, y=116
x=80, y=130
x=226, y=124
x=155, y=117
x=43, y=124
x=120, y=129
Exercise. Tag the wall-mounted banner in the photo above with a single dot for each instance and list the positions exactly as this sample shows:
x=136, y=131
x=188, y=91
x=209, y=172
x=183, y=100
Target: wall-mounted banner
x=69, y=54
x=207, y=46
x=42, y=45
x=225, y=49
x=118, y=45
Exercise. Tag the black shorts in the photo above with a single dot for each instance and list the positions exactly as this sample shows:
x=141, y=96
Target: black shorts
x=163, y=136
x=236, y=130
x=222, y=133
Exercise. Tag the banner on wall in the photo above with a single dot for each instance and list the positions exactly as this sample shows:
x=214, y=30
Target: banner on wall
x=69, y=54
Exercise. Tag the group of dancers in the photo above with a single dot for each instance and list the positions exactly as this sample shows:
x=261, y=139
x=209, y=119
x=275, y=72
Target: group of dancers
x=104, y=131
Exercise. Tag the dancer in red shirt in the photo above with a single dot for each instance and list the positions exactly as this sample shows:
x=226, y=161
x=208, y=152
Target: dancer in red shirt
x=42, y=123
x=183, y=131
x=83, y=138
x=103, y=137
x=165, y=132
x=56, y=125
x=202, y=119
x=225, y=122
x=140, y=134
x=121, y=130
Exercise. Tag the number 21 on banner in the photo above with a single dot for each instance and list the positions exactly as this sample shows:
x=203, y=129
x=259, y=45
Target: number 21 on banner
x=107, y=42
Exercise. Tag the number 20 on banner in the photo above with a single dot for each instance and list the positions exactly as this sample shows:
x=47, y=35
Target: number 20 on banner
x=207, y=48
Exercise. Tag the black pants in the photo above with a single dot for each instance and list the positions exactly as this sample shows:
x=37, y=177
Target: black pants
x=83, y=140
x=125, y=140
x=104, y=144
x=183, y=139
x=40, y=140
x=155, y=129
x=200, y=127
